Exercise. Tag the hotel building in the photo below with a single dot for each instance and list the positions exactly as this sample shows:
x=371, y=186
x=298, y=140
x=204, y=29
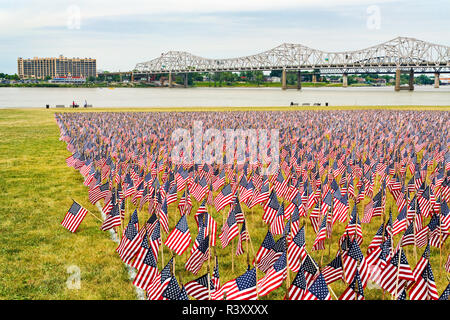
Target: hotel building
x=40, y=68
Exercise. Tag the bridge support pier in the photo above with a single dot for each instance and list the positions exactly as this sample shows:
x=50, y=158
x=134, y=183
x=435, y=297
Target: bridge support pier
x=411, y=79
x=314, y=79
x=170, y=79
x=185, y=80
x=345, y=80
x=410, y=85
x=436, y=80
x=132, y=77
x=283, y=79
x=299, y=80
x=397, y=79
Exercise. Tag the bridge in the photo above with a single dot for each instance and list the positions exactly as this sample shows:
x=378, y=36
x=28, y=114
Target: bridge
x=399, y=55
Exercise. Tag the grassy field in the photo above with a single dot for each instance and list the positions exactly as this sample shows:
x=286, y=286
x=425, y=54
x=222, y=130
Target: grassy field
x=36, y=191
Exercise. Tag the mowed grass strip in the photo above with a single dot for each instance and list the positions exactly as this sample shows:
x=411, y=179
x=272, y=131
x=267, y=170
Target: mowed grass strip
x=36, y=191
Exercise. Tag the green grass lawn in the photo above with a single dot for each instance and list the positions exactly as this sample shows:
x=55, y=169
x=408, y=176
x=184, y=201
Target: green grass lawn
x=36, y=191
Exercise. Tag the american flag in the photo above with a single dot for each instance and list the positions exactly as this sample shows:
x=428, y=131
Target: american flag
x=246, y=192
x=155, y=237
x=172, y=195
x=271, y=208
x=185, y=203
x=129, y=188
x=351, y=261
x=446, y=294
x=141, y=253
x=267, y=244
x=354, y=226
x=321, y=235
x=216, y=275
x=243, y=236
x=314, y=218
x=200, y=189
x=424, y=202
x=138, y=193
x=74, y=216
x=183, y=294
x=99, y=192
x=298, y=287
x=236, y=207
x=396, y=265
x=203, y=217
x=147, y=269
x=277, y=224
x=180, y=178
x=281, y=185
x=262, y=195
x=333, y=271
x=229, y=230
x=377, y=259
x=113, y=219
x=241, y=288
x=296, y=204
x=408, y=237
x=375, y=207
x=296, y=250
x=160, y=282
x=172, y=291
x=164, y=217
x=131, y=240
x=274, y=276
x=424, y=287
x=400, y=223
x=355, y=290
x=199, y=289
x=219, y=182
x=433, y=226
x=272, y=255
x=340, y=207
x=224, y=198
x=180, y=238
x=318, y=290
x=198, y=256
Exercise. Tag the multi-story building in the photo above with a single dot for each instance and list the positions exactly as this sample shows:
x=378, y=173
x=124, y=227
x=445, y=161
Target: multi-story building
x=40, y=68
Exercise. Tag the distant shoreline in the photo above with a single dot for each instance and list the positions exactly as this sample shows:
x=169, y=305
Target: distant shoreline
x=196, y=85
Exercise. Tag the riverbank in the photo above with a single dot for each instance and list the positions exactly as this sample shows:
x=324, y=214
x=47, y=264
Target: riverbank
x=196, y=84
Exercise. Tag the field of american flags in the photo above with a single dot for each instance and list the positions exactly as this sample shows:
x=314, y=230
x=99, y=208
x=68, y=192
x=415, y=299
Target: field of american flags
x=89, y=242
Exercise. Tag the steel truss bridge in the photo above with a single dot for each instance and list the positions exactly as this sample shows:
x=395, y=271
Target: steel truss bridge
x=401, y=53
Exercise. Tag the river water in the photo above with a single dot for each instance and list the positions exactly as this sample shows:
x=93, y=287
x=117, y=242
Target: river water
x=222, y=97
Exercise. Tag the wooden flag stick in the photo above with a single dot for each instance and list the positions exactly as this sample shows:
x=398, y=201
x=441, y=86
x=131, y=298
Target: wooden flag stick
x=414, y=230
x=89, y=212
x=209, y=282
x=398, y=274
x=173, y=272
x=382, y=242
x=232, y=255
x=331, y=232
x=96, y=217
x=288, y=280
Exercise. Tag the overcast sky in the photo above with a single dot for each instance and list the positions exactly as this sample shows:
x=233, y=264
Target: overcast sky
x=120, y=34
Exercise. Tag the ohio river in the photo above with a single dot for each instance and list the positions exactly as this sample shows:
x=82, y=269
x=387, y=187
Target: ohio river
x=222, y=97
